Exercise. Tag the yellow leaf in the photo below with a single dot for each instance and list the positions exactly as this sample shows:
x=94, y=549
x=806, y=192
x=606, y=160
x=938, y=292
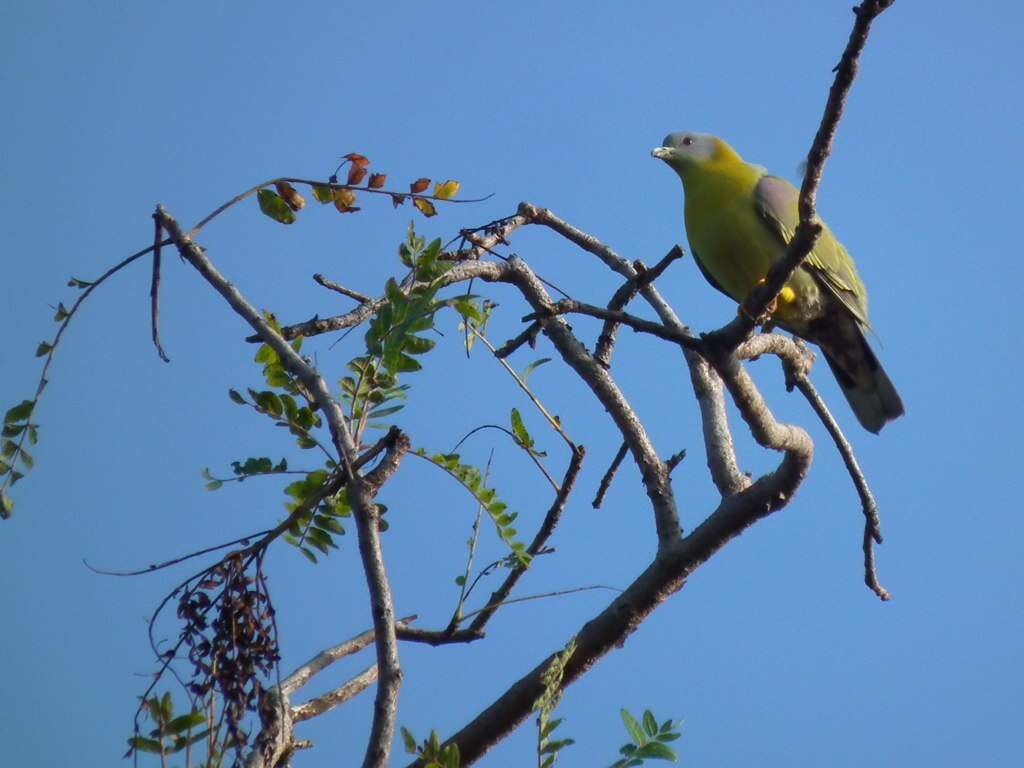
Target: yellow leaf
x=446, y=190
x=425, y=206
x=343, y=199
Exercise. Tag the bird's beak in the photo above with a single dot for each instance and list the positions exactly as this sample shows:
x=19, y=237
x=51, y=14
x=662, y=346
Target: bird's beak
x=663, y=153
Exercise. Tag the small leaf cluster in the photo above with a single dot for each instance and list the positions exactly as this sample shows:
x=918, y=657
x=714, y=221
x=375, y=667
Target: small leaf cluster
x=430, y=751
x=17, y=430
x=649, y=741
x=171, y=734
x=551, y=679
x=283, y=202
x=472, y=480
x=251, y=467
x=316, y=527
x=371, y=393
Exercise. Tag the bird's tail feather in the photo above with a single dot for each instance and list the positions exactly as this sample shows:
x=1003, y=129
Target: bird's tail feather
x=865, y=384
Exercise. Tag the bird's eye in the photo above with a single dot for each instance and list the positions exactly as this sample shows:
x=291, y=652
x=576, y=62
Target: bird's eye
x=687, y=141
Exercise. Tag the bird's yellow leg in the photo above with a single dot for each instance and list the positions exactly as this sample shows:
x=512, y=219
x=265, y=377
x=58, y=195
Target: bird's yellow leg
x=786, y=296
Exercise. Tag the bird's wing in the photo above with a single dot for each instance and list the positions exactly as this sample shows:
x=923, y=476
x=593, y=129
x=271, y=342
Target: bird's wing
x=775, y=200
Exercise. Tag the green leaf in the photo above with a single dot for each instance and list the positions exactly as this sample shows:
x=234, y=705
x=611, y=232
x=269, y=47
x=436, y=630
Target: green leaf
x=635, y=731
x=213, y=485
x=532, y=367
x=62, y=312
x=184, y=722
x=418, y=345
x=554, y=746
x=236, y=396
x=145, y=745
x=43, y=348
x=26, y=459
x=655, y=750
x=20, y=412
x=9, y=449
x=380, y=413
x=406, y=364
x=265, y=354
x=409, y=740
x=274, y=206
x=329, y=524
x=519, y=429
x=322, y=193
x=650, y=724
x=13, y=430
x=6, y=506
x=309, y=555
x=74, y=282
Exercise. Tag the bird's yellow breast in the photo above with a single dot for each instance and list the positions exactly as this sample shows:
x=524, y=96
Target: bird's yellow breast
x=725, y=231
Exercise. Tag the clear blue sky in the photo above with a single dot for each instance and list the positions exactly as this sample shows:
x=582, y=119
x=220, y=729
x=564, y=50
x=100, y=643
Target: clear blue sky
x=774, y=653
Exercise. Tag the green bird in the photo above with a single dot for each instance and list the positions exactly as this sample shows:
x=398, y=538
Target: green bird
x=739, y=220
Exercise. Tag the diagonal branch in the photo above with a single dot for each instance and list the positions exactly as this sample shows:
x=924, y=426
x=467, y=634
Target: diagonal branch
x=364, y=511
x=809, y=228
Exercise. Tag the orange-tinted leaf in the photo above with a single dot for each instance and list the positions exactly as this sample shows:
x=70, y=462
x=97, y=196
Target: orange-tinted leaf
x=356, y=174
x=377, y=180
x=397, y=200
x=446, y=190
x=295, y=201
x=357, y=160
x=425, y=206
x=343, y=199
x=419, y=185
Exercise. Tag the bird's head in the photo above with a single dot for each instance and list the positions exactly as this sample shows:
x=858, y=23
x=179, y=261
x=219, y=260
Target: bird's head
x=686, y=150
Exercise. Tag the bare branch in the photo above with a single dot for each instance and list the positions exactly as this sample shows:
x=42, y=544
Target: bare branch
x=721, y=456
x=625, y=294
x=809, y=228
x=305, y=672
x=338, y=288
x=606, y=481
x=328, y=701
x=551, y=519
x=154, y=292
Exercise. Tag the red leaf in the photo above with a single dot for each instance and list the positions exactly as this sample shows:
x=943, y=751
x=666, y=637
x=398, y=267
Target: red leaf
x=357, y=160
x=356, y=174
x=377, y=180
x=419, y=185
x=397, y=200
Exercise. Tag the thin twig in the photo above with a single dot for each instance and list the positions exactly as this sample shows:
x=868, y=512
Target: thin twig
x=554, y=422
x=872, y=523
x=529, y=336
x=537, y=546
x=338, y=288
x=154, y=292
x=624, y=295
x=609, y=475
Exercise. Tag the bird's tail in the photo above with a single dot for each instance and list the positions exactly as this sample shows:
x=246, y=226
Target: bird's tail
x=869, y=391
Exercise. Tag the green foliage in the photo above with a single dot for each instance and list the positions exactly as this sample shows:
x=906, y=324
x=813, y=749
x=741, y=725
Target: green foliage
x=171, y=733
x=547, y=748
x=649, y=741
x=430, y=751
x=274, y=206
x=522, y=437
x=251, y=467
x=472, y=480
x=315, y=527
x=17, y=430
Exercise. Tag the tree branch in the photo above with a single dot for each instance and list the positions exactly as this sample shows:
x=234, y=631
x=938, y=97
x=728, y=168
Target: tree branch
x=363, y=510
